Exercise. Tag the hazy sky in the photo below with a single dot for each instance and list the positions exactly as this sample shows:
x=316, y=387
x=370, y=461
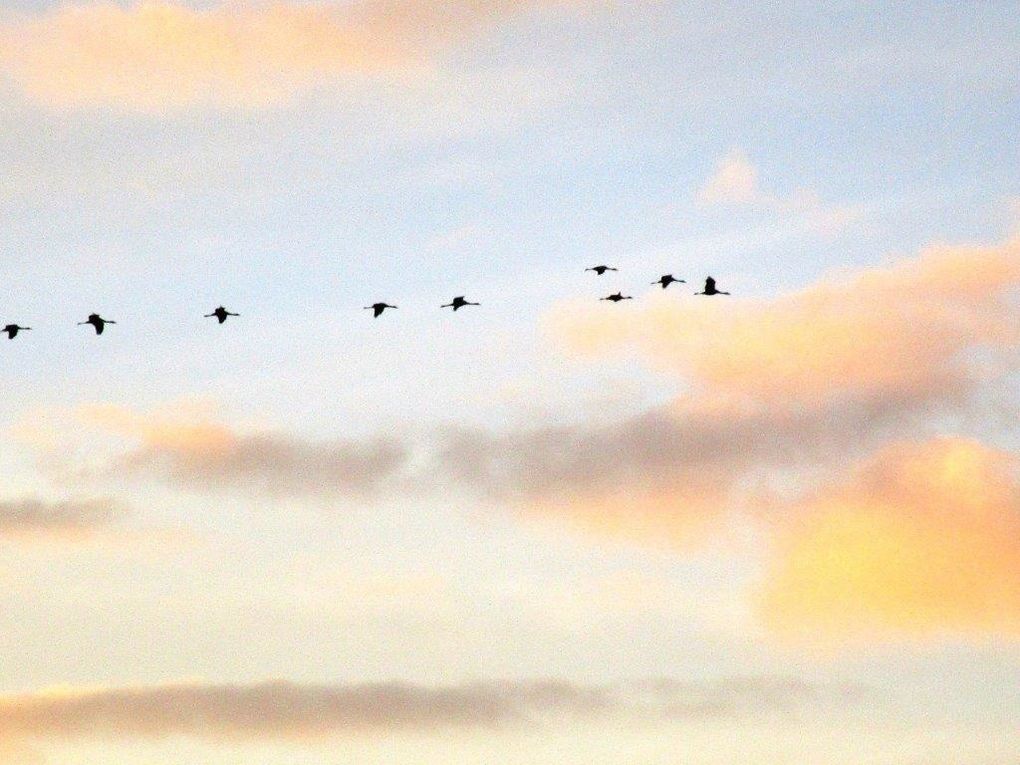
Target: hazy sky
x=777, y=527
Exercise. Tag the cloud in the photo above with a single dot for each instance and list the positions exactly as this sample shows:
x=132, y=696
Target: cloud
x=668, y=474
x=70, y=519
x=735, y=182
x=282, y=710
x=199, y=454
x=922, y=539
x=773, y=390
x=901, y=333
x=776, y=396
x=673, y=475
x=18, y=754
x=656, y=476
x=734, y=179
x=156, y=56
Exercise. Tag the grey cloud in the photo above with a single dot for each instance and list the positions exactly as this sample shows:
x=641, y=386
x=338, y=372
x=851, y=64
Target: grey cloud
x=289, y=710
x=664, y=448
x=660, y=449
x=34, y=516
x=276, y=465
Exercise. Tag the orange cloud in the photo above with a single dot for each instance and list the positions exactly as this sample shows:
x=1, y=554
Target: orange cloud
x=190, y=450
x=283, y=710
x=923, y=539
x=56, y=521
x=901, y=331
x=158, y=55
x=12, y=753
x=775, y=391
x=192, y=435
x=673, y=516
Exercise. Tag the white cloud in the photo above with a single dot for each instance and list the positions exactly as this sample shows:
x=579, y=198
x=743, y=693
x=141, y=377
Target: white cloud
x=736, y=182
x=735, y=179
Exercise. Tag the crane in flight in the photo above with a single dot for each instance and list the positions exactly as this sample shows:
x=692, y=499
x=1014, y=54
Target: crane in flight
x=221, y=314
x=458, y=303
x=98, y=322
x=710, y=288
x=616, y=298
x=601, y=270
x=378, y=308
x=668, y=279
x=12, y=330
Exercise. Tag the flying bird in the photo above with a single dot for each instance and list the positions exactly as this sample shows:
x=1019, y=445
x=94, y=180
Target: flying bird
x=667, y=280
x=710, y=288
x=96, y=321
x=12, y=330
x=458, y=303
x=378, y=308
x=221, y=314
x=616, y=298
x=601, y=270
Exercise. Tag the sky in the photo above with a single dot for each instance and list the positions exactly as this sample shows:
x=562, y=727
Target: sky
x=780, y=526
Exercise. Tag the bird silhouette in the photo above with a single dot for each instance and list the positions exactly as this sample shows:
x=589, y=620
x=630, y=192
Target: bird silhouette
x=710, y=288
x=667, y=280
x=458, y=303
x=616, y=298
x=378, y=308
x=221, y=314
x=96, y=321
x=12, y=330
x=601, y=270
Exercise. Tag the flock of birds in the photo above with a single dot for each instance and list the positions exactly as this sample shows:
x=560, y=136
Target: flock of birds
x=221, y=314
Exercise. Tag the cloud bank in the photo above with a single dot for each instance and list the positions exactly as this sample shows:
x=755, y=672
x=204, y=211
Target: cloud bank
x=203, y=455
x=777, y=397
x=283, y=710
x=156, y=56
x=70, y=519
x=781, y=394
x=790, y=385
x=922, y=538
x=899, y=334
